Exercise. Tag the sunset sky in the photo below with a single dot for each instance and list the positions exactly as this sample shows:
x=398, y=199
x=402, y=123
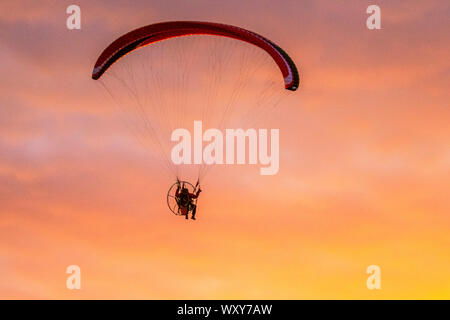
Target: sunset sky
x=364, y=161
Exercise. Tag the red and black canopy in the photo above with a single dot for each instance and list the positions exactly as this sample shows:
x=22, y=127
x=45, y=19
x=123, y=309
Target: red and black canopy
x=165, y=30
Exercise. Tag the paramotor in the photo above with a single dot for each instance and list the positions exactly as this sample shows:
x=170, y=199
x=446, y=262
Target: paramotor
x=191, y=70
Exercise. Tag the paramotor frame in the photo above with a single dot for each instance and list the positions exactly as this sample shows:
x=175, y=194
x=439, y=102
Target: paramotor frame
x=172, y=201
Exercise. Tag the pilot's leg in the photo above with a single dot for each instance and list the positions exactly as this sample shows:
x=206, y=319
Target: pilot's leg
x=194, y=209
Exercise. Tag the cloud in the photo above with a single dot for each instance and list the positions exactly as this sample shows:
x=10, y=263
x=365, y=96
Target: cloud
x=364, y=160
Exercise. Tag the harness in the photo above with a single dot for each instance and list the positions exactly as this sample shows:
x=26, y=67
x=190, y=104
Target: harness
x=184, y=200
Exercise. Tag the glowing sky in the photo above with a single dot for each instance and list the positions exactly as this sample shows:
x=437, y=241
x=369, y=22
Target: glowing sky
x=364, y=162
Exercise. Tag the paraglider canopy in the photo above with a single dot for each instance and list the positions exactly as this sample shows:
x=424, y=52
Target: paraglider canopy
x=165, y=30
x=164, y=77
